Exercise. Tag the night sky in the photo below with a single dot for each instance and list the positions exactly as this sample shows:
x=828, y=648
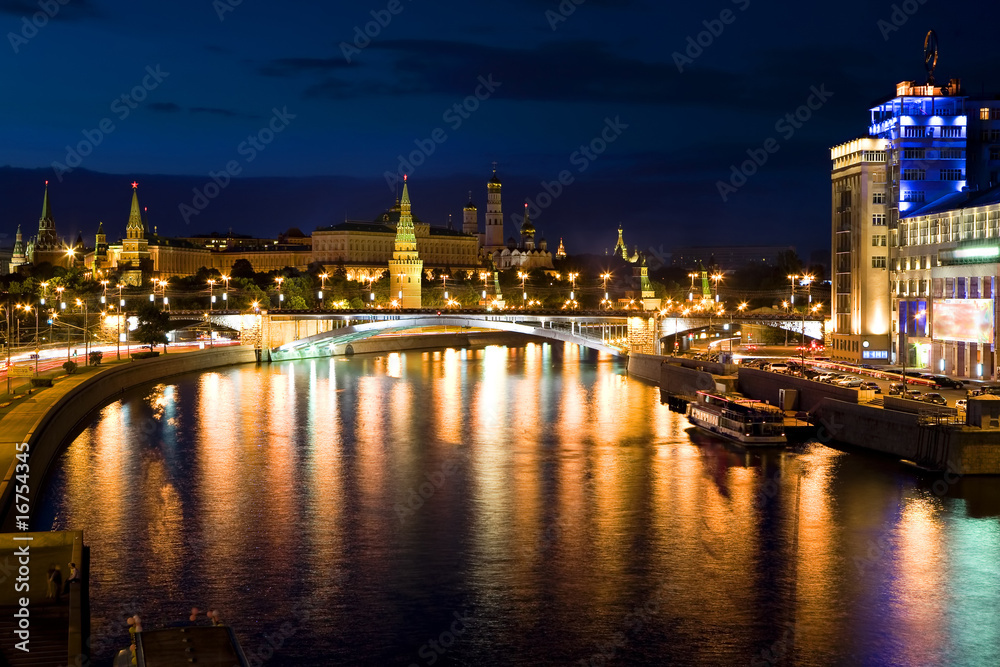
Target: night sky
x=551, y=77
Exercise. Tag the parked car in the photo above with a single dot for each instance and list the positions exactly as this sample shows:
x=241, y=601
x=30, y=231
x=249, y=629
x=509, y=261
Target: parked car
x=913, y=393
x=872, y=385
x=934, y=397
x=962, y=404
x=778, y=368
x=851, y=382
x=896, y=388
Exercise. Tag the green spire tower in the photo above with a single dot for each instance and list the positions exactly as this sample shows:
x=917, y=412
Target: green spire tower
x=405, y=267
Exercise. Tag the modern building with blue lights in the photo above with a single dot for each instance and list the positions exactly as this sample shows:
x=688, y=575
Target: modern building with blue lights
x=916, y=233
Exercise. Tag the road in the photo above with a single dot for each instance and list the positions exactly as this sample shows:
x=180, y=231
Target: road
x=54, y=358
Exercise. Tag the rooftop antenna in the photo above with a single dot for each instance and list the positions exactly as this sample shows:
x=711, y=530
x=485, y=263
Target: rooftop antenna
x=930, y=55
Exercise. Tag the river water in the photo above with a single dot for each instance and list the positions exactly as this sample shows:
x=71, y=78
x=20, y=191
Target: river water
x=512, y=506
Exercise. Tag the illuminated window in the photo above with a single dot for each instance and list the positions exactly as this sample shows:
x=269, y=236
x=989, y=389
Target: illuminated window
x=952, y=153
x=914, y=154
x=984, y=113
x=879, y=262
x=914, y=174
x=952, y=132
x=913, y=195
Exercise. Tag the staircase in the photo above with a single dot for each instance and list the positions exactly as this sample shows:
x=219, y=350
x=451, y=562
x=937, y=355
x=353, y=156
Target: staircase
x=49, y=641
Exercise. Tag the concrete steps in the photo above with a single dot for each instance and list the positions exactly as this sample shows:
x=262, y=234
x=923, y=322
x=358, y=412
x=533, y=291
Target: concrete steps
x=49, y=636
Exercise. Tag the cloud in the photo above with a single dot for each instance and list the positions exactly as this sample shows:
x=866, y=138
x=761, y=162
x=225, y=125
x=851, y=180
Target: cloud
x=73, y=11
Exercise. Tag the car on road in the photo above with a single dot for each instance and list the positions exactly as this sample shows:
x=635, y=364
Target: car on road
x=942, y=381
x=913, y=393
x=850, y=382
x=934, y=397
x=962, y=404
x=896, y=388
x=871, y=385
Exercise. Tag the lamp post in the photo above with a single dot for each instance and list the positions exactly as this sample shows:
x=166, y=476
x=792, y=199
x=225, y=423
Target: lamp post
x=371, y=290
x=692, y=276
x=572, y=279
x=444, y=282
x=524, y=294
x=86, y=339
x=784, y=304
x=606, y=276
x=322, y=286
x=37, y=348
x=118, y=323
x=281, y=296
x=211, y=304
x=716, y=278
x=225, y=295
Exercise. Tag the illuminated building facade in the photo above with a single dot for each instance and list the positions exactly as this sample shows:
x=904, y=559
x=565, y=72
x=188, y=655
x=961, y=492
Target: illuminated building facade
x=946, y=275
x=524, y=255
x=860, y=285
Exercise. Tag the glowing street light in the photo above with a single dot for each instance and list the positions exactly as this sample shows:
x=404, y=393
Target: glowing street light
x=716, y=278
x=281, y=296
x=524, y=294
x=322, y=286
x=225, y=295
x=572, y=279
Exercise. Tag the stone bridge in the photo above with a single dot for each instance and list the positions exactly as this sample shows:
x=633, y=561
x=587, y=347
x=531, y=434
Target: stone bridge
x=288, y=334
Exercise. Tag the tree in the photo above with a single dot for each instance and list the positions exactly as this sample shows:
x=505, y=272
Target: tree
x=242, y=268
x=153, y=326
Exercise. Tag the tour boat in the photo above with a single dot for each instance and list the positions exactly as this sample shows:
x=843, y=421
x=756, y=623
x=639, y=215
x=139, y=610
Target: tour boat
x=748, y=422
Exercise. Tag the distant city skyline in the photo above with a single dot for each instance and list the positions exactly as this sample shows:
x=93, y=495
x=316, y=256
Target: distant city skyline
x=354, y=94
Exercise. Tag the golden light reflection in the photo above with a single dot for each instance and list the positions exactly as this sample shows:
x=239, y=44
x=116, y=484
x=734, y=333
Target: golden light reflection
x=919, y=591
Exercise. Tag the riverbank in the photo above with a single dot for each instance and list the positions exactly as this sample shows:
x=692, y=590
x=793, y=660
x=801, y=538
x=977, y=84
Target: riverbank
x=912, y=431
x=48, y=417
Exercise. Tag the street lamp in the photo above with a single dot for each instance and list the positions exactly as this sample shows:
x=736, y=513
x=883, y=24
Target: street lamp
x=225, y=295
x=444, y=282
x=119, y=323
x=524, y=294
x=792, y=279
x=86, y=340
x=322, y=286
x=572, y=279
x=606, y=276
x=211, y=304
x=716, y=277
x=692, y=276
x=281, y=297
x=371, y=289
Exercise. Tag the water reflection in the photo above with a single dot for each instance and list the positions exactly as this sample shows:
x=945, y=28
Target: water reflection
x=537, y=491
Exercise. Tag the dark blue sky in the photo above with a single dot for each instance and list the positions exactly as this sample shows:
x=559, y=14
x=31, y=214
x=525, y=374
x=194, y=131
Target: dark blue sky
x=220, y=80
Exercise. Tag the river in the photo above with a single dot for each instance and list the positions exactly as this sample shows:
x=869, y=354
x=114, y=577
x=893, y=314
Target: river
x=512, y=506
